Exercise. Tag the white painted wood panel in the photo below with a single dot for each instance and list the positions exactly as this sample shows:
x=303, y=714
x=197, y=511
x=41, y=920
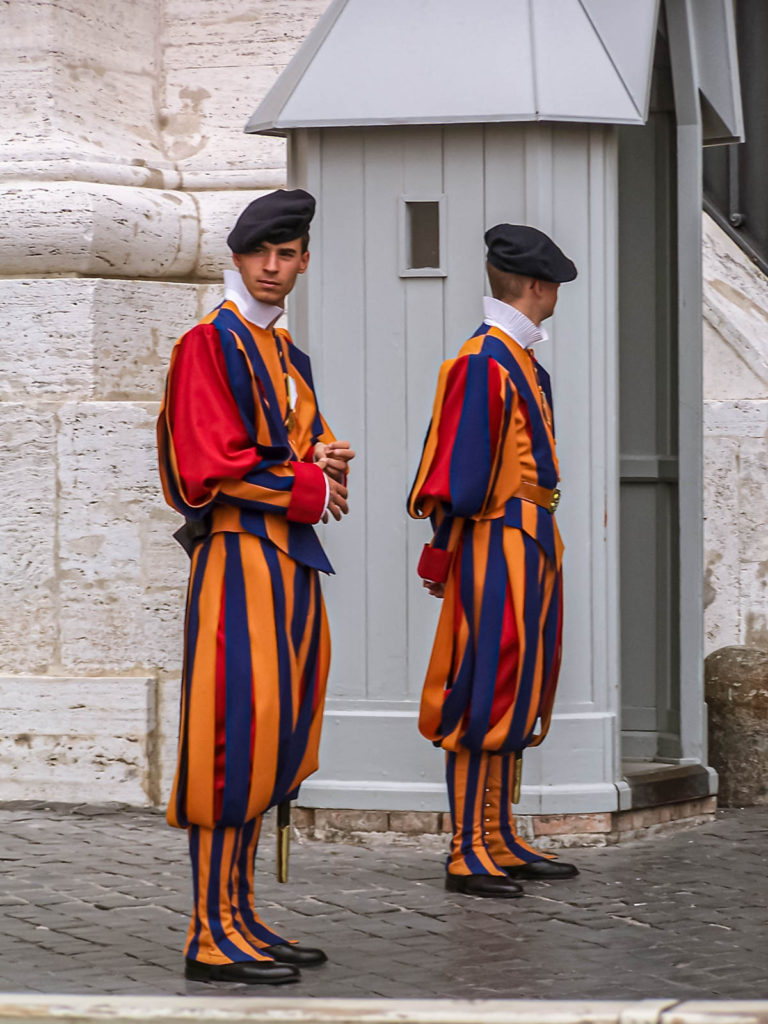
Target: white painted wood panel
x=337, y=327
x=385, y=472
x=573, y=348
x=425, y=350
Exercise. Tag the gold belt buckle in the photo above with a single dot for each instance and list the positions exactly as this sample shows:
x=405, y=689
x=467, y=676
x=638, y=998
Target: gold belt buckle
x=554, y=501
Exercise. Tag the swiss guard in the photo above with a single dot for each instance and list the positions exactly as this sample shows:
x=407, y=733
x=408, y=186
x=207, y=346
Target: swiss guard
x=488, y=480
x=248, y=460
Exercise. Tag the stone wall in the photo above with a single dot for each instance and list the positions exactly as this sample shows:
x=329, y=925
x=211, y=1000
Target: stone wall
x=125, y=166
x=735, y=449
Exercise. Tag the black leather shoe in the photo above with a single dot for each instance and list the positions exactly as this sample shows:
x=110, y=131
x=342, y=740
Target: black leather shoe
x=299, y=956
x=247, y=972
x=543, y=871
x=498, y=886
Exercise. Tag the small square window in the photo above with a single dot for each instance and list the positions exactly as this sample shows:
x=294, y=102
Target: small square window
x=422, y=235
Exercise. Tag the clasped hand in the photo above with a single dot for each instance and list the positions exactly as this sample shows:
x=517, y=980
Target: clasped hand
x=334, y=459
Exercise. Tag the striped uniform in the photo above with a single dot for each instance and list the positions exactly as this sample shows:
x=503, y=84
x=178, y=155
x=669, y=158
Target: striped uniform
x=257, y=647
x=491, y=680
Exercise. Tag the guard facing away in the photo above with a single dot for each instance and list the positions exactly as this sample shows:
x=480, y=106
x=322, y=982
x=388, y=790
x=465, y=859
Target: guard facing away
x=488, y=481
x=247, y=458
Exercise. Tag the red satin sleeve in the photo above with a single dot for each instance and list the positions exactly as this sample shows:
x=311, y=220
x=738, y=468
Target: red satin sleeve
x=210, y=440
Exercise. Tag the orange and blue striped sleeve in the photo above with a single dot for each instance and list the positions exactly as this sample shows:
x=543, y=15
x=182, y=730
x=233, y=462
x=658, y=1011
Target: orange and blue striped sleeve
x=463, y=443
x=462, y=453
x=206, y=452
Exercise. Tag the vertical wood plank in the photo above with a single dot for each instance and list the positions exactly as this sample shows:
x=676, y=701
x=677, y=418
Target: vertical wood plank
x=425, y=333
x=386, y=468
x=568, y=356
x=505, y=174
x=337, y=245
x=463, y=179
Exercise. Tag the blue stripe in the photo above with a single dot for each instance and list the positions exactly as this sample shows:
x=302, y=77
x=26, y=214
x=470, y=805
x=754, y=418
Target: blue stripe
x=488, y=640
x=215, y=925
x=450, y=782
x=459, y=694
x=301, y=601
x=531, y=614
x=191, y=632
x=240, y=380
x=226, y=320
x=239, y=688
x=470, y=467
x=284, y=690
x=545, y=532
x=550, y=628
x=300, y=738
x=262, y=477
x=540, y=444
x=194, y=856
x=473, y=789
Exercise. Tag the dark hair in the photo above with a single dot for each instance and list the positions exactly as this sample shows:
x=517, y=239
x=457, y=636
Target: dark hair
x=305, y=241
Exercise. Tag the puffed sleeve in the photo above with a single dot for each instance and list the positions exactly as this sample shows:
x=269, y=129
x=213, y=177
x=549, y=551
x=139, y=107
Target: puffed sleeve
x=208, y=454
x=458, y=467
x=463, y=442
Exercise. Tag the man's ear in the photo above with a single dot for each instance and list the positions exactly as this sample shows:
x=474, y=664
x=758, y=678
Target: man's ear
x=236, y=259
x=304, y=262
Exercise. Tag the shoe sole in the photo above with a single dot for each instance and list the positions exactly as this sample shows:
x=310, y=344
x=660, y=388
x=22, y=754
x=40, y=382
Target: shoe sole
x=541, y=878
x=208, y=978
x=451, y=886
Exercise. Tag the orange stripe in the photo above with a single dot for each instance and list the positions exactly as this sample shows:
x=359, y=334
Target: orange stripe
x=262, y=631
x=202, y=700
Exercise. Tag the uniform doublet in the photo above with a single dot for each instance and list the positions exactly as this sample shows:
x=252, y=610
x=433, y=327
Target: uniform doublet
x=491, y=681
x=236, y=436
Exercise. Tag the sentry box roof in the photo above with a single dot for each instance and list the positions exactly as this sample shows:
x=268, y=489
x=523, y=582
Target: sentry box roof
x=395, y=62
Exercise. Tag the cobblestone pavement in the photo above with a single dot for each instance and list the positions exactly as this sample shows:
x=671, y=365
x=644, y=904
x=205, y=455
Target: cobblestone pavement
x=95, y=901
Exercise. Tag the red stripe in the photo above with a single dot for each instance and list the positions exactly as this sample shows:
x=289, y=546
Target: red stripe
x=438, y=483
x=505, y=686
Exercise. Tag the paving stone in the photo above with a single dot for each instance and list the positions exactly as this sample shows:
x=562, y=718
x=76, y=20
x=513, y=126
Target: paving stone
x=97, y=903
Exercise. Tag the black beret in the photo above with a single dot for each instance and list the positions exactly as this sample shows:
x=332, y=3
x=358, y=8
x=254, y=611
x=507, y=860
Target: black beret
x=278, y=217
x=520, y=249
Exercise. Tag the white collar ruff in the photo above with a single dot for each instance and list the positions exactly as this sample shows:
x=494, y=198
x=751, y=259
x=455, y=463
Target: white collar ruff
x=514, y=323
x=259, y=313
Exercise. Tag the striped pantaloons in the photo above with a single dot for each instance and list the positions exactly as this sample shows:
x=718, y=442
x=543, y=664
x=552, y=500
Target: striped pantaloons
x=257, y=650
x=485, y=839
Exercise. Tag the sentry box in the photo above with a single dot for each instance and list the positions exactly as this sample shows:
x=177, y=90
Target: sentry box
x=418, y=125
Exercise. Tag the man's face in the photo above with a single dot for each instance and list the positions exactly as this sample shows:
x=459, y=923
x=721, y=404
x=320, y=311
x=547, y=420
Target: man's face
x=270, y=271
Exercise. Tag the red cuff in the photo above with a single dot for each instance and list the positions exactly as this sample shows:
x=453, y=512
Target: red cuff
x=310, y=456
x=434, y=564
x=307, y=495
